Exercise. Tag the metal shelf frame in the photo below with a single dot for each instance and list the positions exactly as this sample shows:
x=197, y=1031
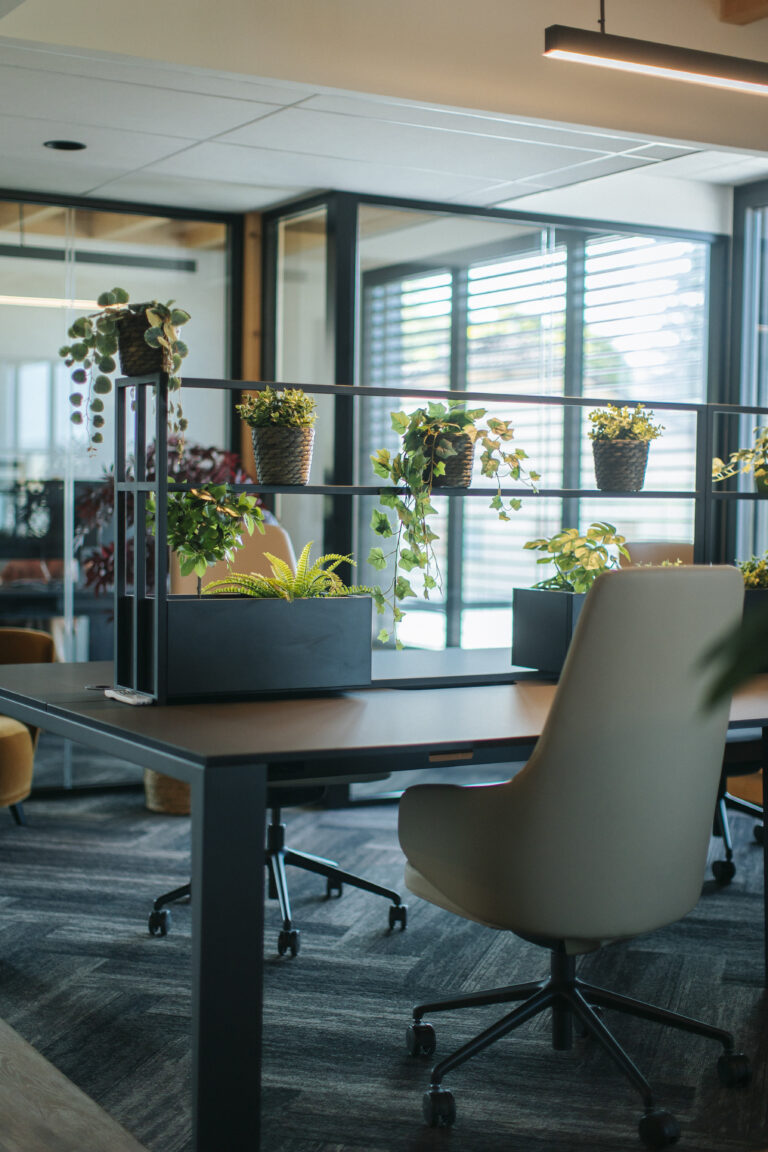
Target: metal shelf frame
x=141, y=619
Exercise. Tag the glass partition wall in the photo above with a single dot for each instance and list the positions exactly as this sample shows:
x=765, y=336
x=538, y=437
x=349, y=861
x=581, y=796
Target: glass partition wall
x=446, y=298
x=55, y=508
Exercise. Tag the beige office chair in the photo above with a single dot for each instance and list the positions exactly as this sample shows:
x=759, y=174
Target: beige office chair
x=743, y=756
x=603, y=835
x=18, y=741
x=302, y=790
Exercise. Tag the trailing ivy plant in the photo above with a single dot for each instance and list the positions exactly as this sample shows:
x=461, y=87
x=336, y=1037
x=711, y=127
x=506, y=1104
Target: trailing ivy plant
x=308, y=581
x=579, y=558
x=206, y=524
x=427, y=441
x=289, y=408
x=92, y=357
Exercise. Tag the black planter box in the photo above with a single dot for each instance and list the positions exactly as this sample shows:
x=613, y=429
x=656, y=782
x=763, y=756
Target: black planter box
x=543, y=620
x=218, y=648
x=755, y=607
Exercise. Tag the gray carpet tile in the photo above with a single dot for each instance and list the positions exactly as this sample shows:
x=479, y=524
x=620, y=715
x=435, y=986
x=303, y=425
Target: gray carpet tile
x=84, y=982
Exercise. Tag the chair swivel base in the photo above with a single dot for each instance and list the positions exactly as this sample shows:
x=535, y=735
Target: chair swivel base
x=725, y=870
x=276, y=857
x=567, y=997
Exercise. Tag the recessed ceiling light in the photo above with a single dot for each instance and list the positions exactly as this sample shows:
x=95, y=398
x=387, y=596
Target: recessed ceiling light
x=64, y=145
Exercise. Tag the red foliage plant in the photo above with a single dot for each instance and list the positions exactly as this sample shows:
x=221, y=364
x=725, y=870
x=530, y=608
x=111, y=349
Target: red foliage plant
x=96, y=506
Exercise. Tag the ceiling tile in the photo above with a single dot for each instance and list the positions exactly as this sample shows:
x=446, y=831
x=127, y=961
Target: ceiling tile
x=82, y=100
x=267, y=168
x=348, y=137
x=479, y=123
x=148, y=187
x=21, y=136
x=591, y=171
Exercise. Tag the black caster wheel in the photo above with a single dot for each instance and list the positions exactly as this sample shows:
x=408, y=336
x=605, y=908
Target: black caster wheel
x=723, y=871
x=420, y=1039
x=159, y=922
x=658, y=1129
x=288, y=941
x=759, y=833
x=439, y=1108
x=333, y=888
x=733, y=1068
x=398, y=914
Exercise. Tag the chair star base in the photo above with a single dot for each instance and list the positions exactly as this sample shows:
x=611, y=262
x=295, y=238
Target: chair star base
x=569, y=998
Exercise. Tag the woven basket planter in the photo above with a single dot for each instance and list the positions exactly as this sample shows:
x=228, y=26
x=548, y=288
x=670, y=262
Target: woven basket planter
x=620, y=464
x=136, y=356
x=283, y=455
x=458, y=468
x=165, y=794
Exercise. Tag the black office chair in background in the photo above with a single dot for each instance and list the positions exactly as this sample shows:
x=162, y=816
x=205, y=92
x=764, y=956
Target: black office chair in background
x=290, y=792
x=276, y=856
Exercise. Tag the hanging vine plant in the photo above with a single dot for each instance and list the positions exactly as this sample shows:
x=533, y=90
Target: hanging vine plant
x=146, y=339
x=437, y=447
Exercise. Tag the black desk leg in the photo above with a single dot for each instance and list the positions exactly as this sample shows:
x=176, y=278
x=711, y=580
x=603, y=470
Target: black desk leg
x=228, y=814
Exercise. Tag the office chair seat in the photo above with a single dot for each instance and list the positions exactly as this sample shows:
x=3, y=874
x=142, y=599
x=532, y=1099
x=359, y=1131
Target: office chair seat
x=18, y=741
x=603, y=835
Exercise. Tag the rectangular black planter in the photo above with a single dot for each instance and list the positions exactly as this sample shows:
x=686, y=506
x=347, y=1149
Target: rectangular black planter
x=755, y=607
x=543, y=620
x=231, y=648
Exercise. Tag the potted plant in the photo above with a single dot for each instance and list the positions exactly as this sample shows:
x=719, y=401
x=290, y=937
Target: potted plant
x=544, y=616
x=205, y=525
x=755, y=574
x=282, y=430
x=754, y=459
x=95, y=505
x=255, y=635
x=146, y=338
x=437, y=450
x=620, y=441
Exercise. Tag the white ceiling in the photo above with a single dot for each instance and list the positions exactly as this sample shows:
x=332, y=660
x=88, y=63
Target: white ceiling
x=186, y=137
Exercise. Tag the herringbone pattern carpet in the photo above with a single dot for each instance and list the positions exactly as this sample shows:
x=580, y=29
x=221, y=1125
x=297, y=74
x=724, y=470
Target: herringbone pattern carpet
x=82, y=980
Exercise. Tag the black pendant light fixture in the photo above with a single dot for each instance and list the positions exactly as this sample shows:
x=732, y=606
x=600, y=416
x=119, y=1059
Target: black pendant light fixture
x=649, y=59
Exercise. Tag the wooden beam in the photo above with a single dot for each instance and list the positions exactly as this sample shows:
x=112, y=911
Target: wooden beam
x=743, y=11
x=251, y=350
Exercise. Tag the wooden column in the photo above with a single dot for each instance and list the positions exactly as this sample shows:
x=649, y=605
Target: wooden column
x=251, y=351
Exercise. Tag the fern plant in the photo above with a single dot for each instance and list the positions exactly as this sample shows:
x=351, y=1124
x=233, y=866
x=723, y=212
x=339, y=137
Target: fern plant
x=309, y=580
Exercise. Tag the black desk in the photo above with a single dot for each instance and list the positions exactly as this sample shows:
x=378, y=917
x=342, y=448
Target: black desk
x=222, y=751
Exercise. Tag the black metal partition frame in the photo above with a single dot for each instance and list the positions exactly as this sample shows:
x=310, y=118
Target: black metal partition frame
x=141, y=614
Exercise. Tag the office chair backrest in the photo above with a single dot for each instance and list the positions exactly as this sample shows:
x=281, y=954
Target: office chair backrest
x=623, y=781
x=249, y=558
x=27, y=646
x=657, y=551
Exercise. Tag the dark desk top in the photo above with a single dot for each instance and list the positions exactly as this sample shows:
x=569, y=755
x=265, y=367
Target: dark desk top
x=370, y=722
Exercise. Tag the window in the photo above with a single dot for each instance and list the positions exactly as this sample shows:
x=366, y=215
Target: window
x=540, y=311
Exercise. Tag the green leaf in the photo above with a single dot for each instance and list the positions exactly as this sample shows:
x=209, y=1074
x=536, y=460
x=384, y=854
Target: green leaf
x=377, y=559
x=179, y=317
x=79, y=376
x=383, y=636
x=403, y=588
x=152, y=336
x=106, y=299
x=380, y=523
x=399, y=422
x=120, y=295
x=107, y=364
x=102, y=385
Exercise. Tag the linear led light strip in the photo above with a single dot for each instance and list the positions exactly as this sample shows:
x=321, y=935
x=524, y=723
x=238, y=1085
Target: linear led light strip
x=651, y=59
x=49, y=302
